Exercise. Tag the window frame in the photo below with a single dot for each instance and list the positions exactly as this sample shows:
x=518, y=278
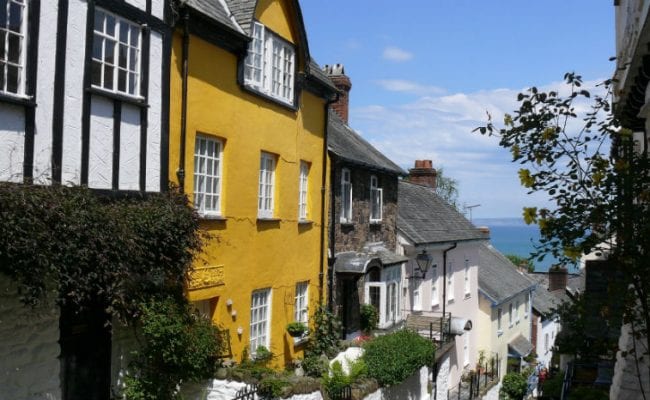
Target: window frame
x=435, y=295
x=517, y=304
x=260, y=320
x=450, y=284
x=527, y=306
x=130, y=71
x=266, y=186
x=500, y=319
x=346, y=193
x=20, y=64
x=466, y=342
x=510, y=314
x=215, y=159
x=301, y=303
x=466, y=280
x=303, y=191
x=270, y=65
x=376, y=200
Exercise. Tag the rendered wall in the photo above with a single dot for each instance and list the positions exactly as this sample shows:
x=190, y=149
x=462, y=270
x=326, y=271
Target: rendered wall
x=29, y=348
x=245, y=253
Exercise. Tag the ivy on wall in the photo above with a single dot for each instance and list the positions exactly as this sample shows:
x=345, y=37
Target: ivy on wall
x=86, y=248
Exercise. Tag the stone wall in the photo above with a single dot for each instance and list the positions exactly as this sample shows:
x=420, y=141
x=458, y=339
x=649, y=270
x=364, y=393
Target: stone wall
x=353, y=236
x=29, y=348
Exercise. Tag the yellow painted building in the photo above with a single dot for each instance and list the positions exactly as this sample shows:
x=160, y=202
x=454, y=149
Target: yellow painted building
x=248, y=115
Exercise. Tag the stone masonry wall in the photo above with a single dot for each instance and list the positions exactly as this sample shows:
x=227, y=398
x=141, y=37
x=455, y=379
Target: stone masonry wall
x=353, y=236
x=29, y=348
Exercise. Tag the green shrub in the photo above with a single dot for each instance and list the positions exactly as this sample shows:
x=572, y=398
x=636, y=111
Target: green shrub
x=394, y=357
x=271, y=387
x=588, y=393
x=369, y=318
x=263, y=355
x=514, y=386
x=178, y=345
x=315, y=365
x=552, y=387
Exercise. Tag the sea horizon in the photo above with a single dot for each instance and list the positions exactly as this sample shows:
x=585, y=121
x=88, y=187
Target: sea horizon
x=511, y=235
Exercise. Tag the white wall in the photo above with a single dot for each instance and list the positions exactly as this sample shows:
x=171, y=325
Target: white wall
x=12, y=142
x=546, y=327
x=29, y=348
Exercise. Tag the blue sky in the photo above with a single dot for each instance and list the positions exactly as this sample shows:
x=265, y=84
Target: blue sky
x=424, y=72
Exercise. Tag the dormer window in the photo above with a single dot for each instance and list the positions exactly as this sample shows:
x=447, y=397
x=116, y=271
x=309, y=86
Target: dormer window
x=270, y=64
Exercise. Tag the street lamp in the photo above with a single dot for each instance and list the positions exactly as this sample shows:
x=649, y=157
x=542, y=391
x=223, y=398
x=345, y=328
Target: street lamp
x=423, y=261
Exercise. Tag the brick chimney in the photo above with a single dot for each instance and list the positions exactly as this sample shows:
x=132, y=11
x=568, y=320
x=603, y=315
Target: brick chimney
x=423, y=173
x=557, y=278
x=342, y=82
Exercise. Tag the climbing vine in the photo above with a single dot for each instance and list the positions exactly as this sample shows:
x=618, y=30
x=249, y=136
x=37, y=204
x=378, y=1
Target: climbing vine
x=84, y=248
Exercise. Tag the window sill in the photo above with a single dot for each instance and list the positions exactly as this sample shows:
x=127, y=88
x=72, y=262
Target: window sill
x=450, y=301
x=517, y=322
x=510, y=326
x=136, y=101
x=375, y=222
x=212, y=217
x=300, y=340
x=305, y=222
x=17, y=99
x=347, y=223
x=468, y=295
x=280, y=102
x=499, y=332
x=268, y=219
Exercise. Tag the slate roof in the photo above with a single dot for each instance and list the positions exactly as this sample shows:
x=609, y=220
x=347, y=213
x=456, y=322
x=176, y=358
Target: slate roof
x=215, y=9
x=317, y=73
x=498, y=278
x=521, y=345
x=243, y=11
x=545, y=301
x=424, y=217
x=348, y=145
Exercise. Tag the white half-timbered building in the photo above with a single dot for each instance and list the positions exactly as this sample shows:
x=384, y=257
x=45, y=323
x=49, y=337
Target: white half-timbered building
x=84, y=89
x=84, y=100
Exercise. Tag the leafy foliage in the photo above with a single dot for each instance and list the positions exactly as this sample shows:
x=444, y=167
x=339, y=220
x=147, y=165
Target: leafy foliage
x=394, y=357
x=315, y=365
x=178, y=345
x=514, y=386
x=118, y=252
x=272, y=386
x=447, y=188
x=369, y=318
x=296, y=328
x=601, y=195
x=325, y=338
x=337, y=379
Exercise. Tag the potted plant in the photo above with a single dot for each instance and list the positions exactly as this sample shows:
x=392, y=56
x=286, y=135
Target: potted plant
x=296, y=329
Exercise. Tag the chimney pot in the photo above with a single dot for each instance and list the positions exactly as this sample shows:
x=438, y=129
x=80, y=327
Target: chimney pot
x=423, y=173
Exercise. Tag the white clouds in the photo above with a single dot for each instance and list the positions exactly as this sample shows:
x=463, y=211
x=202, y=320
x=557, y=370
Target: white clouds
x=439, y=126
x=410, y=87
x=396, y=54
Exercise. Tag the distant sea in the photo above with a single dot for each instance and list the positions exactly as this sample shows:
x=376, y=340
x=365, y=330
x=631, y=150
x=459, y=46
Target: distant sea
x=513, y=236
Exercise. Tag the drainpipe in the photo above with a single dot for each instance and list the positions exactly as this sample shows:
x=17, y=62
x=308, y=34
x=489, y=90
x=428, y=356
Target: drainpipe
x=180, y=172
x=323, y=193
x=444, y=279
